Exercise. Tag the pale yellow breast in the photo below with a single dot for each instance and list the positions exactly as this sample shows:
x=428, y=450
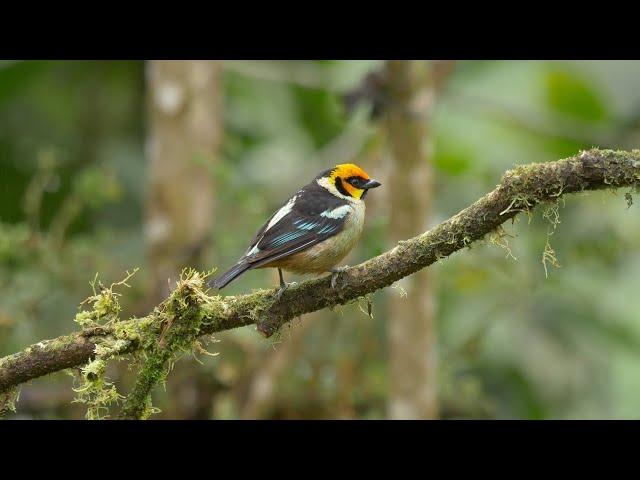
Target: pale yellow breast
x=326, y=255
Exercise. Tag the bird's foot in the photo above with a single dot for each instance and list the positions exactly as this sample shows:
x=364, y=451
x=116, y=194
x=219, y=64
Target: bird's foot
x=336, y=273
x=283, y=287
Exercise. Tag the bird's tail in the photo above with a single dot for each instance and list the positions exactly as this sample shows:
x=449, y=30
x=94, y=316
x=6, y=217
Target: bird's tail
x=230, y=275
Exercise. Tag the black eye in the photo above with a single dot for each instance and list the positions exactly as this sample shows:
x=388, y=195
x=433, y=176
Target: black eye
x=355, y=181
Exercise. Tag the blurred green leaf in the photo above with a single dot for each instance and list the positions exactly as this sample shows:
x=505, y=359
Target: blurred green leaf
x=451, y=157
x=97, y=186
x=16, y=76
x=567, y=92
x=321, y=113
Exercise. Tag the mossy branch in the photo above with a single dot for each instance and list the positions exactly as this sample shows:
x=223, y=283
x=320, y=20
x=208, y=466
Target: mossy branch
x=194, y=313
x=183, y=312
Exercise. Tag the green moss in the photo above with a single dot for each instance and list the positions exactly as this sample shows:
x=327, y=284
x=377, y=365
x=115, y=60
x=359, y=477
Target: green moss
x=8, y=400
x=105, y=306
x=142, y=331
x=500, y=238
x=180, y=318
x=551, y=213
x=94, y=389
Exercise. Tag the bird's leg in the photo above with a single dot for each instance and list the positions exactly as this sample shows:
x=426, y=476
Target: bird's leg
x=336, y=271
x=283, y=285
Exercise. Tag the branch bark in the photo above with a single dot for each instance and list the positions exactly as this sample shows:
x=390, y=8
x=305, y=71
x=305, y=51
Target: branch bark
x=520, y=190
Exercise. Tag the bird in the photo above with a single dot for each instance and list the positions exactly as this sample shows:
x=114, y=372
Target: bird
x=313, y=231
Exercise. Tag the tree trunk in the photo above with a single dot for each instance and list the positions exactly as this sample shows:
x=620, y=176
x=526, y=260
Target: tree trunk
x=412, y=86
x=184, y=134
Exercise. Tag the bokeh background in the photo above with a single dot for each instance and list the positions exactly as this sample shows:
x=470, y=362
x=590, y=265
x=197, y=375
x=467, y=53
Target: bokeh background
x=110, y=165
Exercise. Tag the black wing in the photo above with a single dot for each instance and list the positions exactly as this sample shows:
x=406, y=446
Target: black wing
x=303, y=227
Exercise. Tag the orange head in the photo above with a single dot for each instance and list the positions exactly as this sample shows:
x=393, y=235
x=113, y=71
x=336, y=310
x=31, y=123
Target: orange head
x=349, y=180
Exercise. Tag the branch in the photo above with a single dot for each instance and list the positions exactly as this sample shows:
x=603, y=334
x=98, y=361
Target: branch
x=183, y=314
x=520, y=190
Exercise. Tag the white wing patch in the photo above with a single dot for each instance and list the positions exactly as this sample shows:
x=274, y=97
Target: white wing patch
x=282, y=212
x=276, y=218
x=339, y=212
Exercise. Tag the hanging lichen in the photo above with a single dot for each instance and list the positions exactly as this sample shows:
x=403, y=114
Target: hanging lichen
x=94, y=388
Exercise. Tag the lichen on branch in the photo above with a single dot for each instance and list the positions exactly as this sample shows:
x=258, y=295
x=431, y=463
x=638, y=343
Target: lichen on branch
x=180, y=317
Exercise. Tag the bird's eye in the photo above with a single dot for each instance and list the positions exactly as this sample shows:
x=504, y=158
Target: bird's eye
x=353, y=181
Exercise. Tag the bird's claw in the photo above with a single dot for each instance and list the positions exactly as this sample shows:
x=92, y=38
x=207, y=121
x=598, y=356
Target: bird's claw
x=283, y=287
x=335, y=273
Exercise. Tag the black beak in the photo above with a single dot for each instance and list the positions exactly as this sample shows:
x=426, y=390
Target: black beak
x=371, y=184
